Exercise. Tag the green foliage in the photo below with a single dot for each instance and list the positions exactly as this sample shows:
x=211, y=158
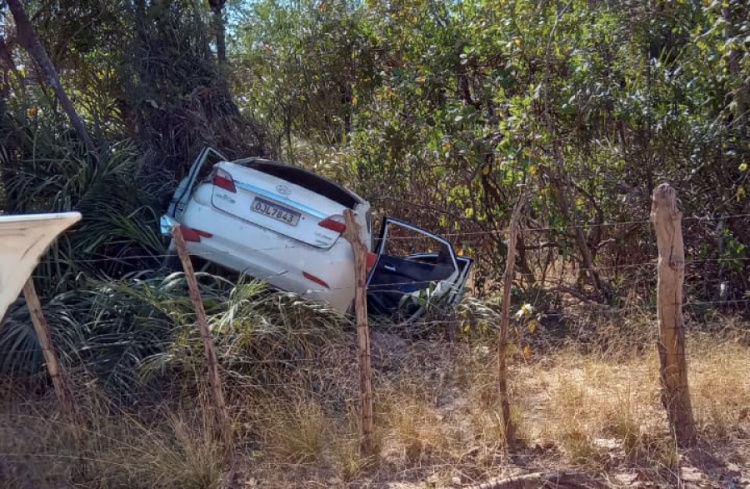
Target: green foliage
x=440, y=113
x=259, y=334
x=104, y=330
x=134, y=336
x=144, y=77
x=299, y=65
x=119, y=231
x=588, y=106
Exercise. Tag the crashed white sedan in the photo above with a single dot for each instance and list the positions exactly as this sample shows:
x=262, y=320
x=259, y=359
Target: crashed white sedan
x=284, y=225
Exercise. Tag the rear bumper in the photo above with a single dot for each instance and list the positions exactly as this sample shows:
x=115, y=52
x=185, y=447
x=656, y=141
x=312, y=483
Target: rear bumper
x=265, y=255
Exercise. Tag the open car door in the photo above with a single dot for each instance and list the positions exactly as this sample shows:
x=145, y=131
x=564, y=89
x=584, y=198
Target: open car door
x=201, y=167
x=415, y=271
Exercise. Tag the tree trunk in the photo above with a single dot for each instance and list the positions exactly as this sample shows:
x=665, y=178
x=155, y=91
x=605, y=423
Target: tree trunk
x=8, y=203
x=523, y=260
x=3, y=111
x=561, y=182
x=217, y=7
x=30, y=41
x=7, y=65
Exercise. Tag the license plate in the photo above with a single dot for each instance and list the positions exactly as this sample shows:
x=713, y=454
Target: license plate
x=275, y=211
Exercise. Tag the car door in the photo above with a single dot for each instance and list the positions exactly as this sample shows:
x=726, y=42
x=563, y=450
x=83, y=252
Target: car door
x=201, y=167
x=415, y=271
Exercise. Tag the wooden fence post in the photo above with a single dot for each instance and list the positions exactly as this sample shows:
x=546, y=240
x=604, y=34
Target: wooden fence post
x=675, y=394
x=56, y=372
x=352, y=234
x=214, y=380
x=502, y=344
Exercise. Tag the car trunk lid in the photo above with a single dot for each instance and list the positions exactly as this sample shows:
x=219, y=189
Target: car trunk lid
x=260, y=195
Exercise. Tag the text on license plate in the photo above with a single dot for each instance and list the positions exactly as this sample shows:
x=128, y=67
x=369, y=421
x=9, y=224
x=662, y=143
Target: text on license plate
x=276, y=211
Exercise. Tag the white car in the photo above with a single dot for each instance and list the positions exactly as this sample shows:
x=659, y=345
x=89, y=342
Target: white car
x=284, y=225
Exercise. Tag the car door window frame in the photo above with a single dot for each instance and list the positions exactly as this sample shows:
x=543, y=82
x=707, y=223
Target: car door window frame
x=181, y=201
x=452, y=279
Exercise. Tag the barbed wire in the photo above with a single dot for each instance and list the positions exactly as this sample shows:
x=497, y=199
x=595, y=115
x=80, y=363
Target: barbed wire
x=547, y=280
x=340, y=242
x=394, y=287
x=209, y=255
x=163, y=256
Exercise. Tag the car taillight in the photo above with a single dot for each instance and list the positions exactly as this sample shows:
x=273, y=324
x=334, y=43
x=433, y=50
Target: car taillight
x=194, y=235
x=334, y=223
x=223, y=179
x=372, y=258
x=315, y=279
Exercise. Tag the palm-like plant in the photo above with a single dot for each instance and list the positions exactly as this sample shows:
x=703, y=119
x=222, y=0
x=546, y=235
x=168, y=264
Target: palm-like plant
x=104, y=330
x=139, y=332
x=118, y=234
x=261, y=335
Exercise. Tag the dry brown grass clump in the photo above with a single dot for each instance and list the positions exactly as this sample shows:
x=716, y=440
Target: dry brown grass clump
x=720, y=385
x=437, y=421
x=119, y=450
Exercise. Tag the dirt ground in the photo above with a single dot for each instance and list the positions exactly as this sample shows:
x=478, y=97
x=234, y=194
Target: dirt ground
x=585, y=418
x=596, y=419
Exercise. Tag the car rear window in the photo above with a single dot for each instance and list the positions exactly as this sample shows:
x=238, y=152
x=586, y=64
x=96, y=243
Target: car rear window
x=305, y=179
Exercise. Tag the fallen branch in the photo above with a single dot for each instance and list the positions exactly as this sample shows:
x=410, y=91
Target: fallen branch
x=578, y=295
x=544, y=480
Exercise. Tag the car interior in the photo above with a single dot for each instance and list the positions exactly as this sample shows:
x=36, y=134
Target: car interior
x=399, y=272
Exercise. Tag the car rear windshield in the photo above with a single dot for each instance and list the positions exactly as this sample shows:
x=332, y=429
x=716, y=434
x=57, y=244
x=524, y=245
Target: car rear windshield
x=306, y=179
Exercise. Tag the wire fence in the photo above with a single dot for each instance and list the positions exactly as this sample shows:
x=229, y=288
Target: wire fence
x=547, y=312
x=292, y=244
x=456, y=380
x=561, y=284
x=469, y=246
x=435, y=401
x=577, y=364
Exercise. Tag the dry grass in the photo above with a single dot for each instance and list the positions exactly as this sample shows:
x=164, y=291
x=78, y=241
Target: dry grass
x=594, y=406
x=595, y=410
x=412, y=427
x=294, y=432
x=174, y=455
x=114, y=450
x=720, y=385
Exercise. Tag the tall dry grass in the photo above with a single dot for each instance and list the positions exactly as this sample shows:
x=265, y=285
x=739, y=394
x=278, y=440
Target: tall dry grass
x=437, y=419
x=40, y=451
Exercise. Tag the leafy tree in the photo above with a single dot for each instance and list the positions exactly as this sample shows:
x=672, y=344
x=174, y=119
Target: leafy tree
x=299, y=66
x=589, y=104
